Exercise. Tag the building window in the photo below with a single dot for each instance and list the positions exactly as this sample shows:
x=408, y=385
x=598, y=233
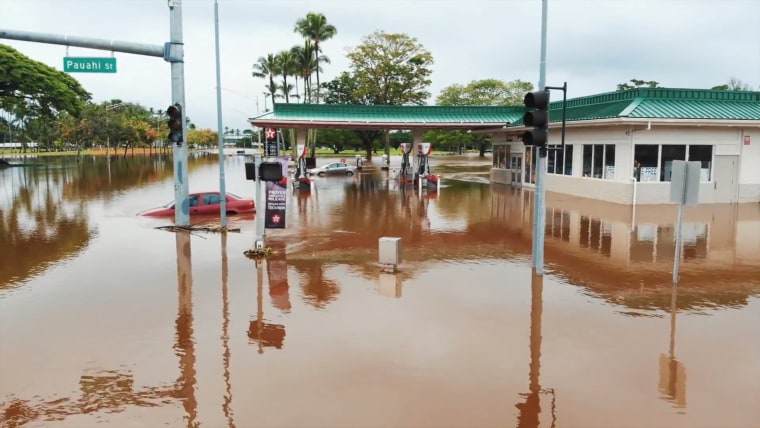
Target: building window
x=560, y=161
x=655, y=162
x=599, y=160
x=530, y=165
x=501, y=156
x=702, y=154
x=669, y=154
x=645, y=162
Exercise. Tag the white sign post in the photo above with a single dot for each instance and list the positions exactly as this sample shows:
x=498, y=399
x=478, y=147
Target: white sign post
x=684, y=190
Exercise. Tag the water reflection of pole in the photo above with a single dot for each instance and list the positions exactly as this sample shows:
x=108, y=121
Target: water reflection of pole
x=530, y=409
x=260, y=304
x=227, y=403
x=185, y=346
x=672, y=372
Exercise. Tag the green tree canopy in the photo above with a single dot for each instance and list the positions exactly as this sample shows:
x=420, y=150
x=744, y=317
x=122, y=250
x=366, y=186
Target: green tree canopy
x=487, y=92
x=637, y=83
x=31, y=88
x=391, y=69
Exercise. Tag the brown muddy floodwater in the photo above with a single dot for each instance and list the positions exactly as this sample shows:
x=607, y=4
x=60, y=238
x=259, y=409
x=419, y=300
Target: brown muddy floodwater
x=107, y=321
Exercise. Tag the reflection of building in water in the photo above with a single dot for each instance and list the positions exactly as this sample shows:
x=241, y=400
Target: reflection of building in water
x=712, y=234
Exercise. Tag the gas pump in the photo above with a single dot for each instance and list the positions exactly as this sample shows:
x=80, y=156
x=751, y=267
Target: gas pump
x=359, y=162
x=385, y=163
x=406, y=175
x=424, y=150
x=302, y=181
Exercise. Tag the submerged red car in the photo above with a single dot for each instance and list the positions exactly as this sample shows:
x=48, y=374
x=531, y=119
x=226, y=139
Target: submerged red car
x=207, y=203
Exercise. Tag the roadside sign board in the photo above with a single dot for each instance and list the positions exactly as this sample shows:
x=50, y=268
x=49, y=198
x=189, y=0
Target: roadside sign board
x=684, y=182
x=72, y=64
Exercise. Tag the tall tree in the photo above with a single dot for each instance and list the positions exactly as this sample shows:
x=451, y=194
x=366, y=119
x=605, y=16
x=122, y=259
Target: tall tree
x=487, y=92
x=267, y=68
x=31, y=88
x=637, y=83
x=314, y=27
x=391, y=69
x=734, y=84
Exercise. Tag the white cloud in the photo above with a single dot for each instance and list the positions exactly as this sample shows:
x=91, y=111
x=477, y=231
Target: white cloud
x=592, y=44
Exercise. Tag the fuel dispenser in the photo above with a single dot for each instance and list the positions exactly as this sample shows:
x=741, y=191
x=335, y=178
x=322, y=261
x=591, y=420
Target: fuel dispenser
x=302, y=181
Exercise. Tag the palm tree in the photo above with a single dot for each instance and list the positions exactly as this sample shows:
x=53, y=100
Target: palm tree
x=305, y=66
x=267, y=68
x=286, y=66
x=315, y=28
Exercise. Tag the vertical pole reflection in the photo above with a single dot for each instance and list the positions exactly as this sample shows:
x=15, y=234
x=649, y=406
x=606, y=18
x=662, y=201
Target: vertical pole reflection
x=530, y=408
x=185, y=346
x=259, y=304
x=227, y=402
x=672, y=372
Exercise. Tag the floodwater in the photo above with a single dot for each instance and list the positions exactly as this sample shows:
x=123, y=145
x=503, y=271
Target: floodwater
x=107, y=321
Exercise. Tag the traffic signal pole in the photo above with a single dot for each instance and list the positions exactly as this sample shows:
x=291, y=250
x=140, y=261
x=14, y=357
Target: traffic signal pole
x=171, y=52
x=539, y=205
x=181, y=185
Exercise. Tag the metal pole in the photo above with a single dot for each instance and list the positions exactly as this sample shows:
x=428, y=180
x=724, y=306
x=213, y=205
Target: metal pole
x=87, y=42
x=539, y=208
x=260, y=209
x=677, y=257
x=181, y=185
x=222, y=189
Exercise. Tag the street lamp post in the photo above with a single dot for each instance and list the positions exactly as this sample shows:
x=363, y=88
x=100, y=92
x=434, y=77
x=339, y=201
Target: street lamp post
x=108, y=131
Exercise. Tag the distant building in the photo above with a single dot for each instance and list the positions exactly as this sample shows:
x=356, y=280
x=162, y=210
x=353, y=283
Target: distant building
x=620, y=141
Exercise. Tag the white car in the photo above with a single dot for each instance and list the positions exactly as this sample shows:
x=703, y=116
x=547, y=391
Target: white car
x=334, y=168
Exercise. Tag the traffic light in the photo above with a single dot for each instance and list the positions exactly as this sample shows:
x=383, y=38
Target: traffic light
x=538, y=118
x=175, y=123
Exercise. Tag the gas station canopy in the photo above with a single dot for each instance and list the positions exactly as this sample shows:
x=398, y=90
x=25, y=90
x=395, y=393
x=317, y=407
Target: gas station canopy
x=345, y=116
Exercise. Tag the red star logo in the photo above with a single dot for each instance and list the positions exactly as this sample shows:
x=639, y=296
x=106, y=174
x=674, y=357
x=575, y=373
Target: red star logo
x=275, y=218
x=271, y=133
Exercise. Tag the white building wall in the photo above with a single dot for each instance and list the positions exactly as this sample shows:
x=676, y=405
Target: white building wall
x=726, y=141
x=749, y=172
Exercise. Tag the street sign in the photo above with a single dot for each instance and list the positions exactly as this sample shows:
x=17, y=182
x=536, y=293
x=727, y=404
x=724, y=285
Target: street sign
x=73, y=64
x=684, y=182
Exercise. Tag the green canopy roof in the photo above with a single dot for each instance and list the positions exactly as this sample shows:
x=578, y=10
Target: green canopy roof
x=639, y=103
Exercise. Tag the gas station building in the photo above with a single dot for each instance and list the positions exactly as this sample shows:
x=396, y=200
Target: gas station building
x=619, y=146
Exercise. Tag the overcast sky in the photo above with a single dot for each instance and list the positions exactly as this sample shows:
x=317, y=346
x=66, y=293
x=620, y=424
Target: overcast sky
x=592, y=44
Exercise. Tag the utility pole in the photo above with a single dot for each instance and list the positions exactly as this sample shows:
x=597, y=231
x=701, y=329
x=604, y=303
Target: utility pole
x=171, y=52
x=539, y=205
x=176, y=47
x=222, y=189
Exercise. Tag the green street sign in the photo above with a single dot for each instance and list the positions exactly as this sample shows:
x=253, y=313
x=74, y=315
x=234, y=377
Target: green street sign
x=73, y=64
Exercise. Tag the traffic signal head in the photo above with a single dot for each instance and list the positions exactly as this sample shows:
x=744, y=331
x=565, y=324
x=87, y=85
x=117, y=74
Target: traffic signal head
x=175, y=123
x=538, y=118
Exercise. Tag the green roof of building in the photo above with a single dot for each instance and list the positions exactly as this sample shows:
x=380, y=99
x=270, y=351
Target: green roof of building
x=420, y=116
x=639, y=103
x=661, y=103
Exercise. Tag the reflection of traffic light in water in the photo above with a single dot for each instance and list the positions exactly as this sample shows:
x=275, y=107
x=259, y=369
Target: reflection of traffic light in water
x=672, y=372
x=264, y=334
x=530, y=409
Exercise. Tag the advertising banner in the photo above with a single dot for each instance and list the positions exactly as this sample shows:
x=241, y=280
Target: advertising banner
x=276, y=198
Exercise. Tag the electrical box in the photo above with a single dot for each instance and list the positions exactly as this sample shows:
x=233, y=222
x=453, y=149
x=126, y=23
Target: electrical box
x=390, y=251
